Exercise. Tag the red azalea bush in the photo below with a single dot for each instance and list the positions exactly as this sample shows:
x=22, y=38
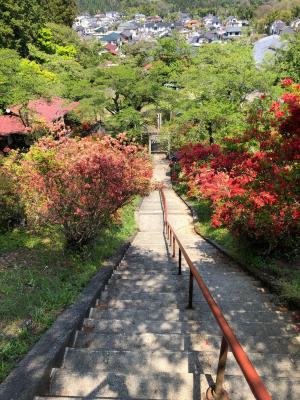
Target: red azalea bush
x=80, y=184
x=253, y=182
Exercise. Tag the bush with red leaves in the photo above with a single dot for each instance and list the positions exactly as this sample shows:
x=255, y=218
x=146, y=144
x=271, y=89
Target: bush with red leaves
x=253, y=182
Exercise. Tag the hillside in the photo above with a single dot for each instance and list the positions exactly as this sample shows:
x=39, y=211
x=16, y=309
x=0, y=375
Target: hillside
x=166, y=6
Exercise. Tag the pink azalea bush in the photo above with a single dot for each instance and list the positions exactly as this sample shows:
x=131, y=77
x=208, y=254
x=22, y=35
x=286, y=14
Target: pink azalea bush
x=80, y=184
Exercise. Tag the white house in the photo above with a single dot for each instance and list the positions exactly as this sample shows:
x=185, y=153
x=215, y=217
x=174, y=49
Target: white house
x=233, y=21
x=296, y=24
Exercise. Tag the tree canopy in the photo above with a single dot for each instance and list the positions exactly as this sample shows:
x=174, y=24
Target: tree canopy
x=20, y=20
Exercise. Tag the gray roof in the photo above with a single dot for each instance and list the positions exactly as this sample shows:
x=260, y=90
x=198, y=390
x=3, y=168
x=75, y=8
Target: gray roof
x=287, y=29
x=79, y=29
x=126, y=33
x=93, y=25
x=194, y=39
x=128, y=25
x=210, y=36
x=233, y=29
x=278, y=25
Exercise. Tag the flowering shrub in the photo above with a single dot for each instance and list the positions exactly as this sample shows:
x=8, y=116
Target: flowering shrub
x=253, y=182
x=80, y=184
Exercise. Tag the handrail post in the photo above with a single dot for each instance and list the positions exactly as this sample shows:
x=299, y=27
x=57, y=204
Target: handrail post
x=173, y=253
x=191, y=289
x=217, y=392
x=179, y=261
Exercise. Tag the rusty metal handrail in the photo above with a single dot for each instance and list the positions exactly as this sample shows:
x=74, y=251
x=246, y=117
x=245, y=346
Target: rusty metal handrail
x=229, y=339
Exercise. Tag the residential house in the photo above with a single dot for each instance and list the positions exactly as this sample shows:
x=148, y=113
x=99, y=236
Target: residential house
x=111, y=37
x=12, y=132
x=82, y=20
x=112, y=49
x=128, y=26
x=208, y=20
x=296, y=24
x=211, y=22
x=232, y=21
x=140, y=18
x=277, y=27
x=155, y=19
x=192, y=24
x=232, y=32
x=208, y=37
x=288, y=29
x=126, y=36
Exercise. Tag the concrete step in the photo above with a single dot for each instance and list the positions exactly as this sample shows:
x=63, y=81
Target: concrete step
x=287, y=345
x=114, y=385
x=200, y=306
x=181, y=291
x=179, y=284
x=166, y=314
x=173, y=314
x=149, y=341
x=137, y=362
x=174, y=297
x=160, y=387
x=160, y=278
x=209, y=327
x=172, y=269
x=140, y=267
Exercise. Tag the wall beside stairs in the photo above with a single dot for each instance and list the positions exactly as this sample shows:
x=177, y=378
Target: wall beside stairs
x=31, y=376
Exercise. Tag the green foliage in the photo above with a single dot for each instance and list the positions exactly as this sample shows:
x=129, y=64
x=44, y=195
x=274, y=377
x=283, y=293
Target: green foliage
x=21, y=79
x=284, y=276
x=268, y=12
x=288, y=59
x=172, y=49
x=11, y=210
x=167, y=8
x=60, y=11
x=139, y=53
x=21, y=20
x=211, y=91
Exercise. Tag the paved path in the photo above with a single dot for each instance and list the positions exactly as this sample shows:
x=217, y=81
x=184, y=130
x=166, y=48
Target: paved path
x=140, y=341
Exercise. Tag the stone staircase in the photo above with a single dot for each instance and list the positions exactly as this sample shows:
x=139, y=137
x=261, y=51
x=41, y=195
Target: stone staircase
x=141, y=342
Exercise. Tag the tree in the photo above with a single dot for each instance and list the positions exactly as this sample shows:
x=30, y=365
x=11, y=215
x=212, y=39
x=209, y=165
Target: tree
x=172, y=49
x=20, y=21
x=288, y=59
x=22, y=80
x=211, y=92
x=60, y=11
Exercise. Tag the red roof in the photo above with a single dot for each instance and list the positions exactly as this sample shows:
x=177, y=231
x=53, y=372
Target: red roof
x=112, y=48
x=10, y=124
x=148, y=66
x=48, y=110
x=42, y=109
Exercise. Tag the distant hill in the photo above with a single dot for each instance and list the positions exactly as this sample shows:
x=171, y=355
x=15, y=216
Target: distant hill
x=166, y=6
